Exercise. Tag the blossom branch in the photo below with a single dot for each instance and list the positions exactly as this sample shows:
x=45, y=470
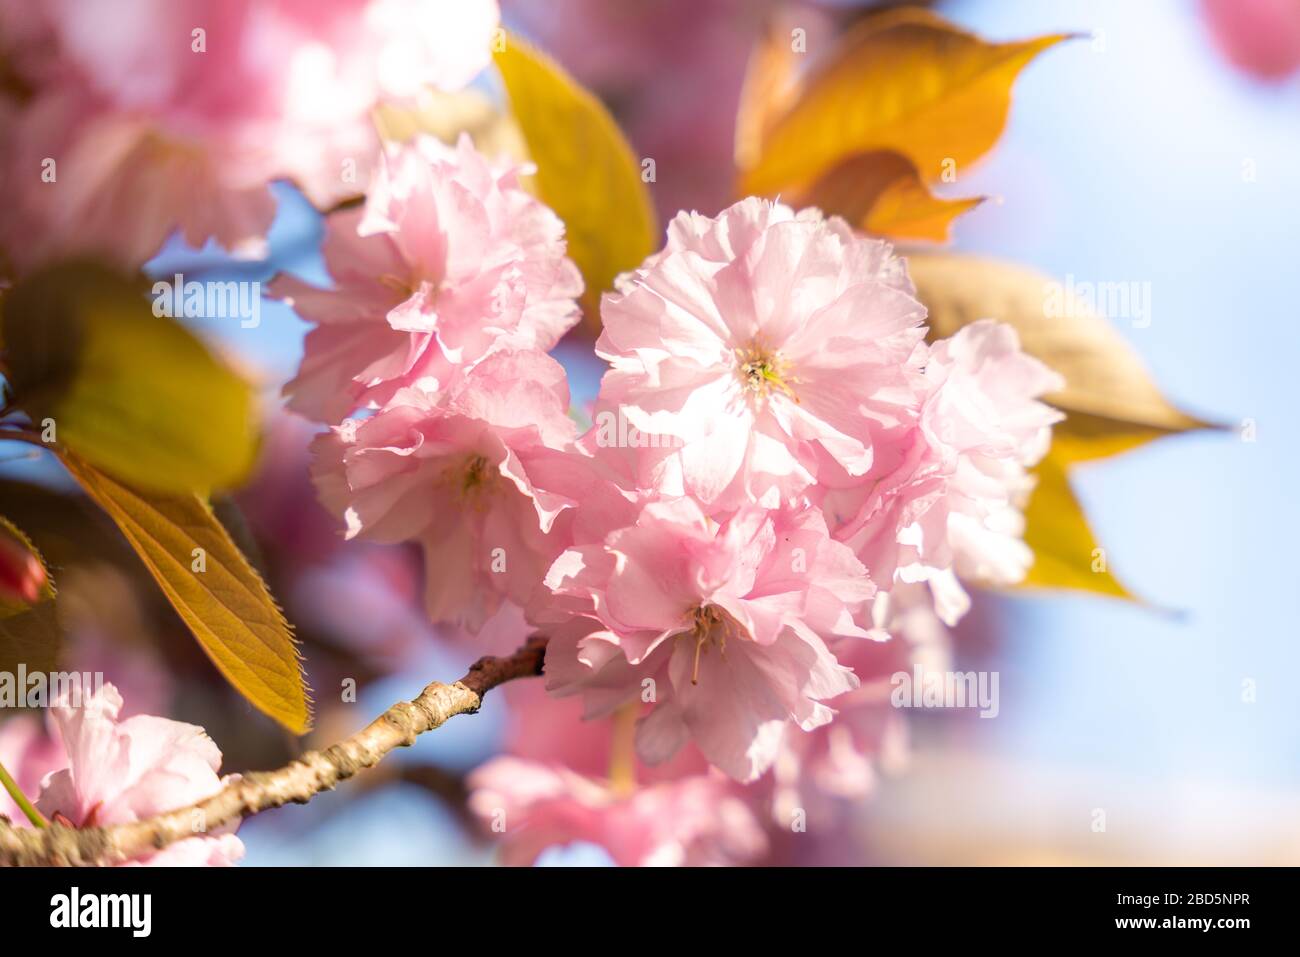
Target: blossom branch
x=296, y=783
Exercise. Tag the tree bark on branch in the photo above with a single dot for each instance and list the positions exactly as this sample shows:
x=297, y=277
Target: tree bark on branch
x=297, y=782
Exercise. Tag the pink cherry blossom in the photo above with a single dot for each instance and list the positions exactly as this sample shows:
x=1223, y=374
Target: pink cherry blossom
x=119, y=771
x=176, y=114
x=945, y=503
x=449, y=261
x=728, y=622
x=28, y=754
x=693, y=821
x=768, y=343
x=467, y=474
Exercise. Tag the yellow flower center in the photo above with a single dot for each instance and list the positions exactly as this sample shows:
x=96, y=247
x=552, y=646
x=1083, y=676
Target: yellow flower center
x=761, y=372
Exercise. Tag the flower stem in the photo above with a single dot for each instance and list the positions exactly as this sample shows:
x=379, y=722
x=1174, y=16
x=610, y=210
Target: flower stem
x=622, y=751
x=20, y=799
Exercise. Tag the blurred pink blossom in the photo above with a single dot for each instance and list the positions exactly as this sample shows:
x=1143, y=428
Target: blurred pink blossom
x=693, y=821
x=29, y=754
x=672, y=72
x=1261, y=37
x=551, y=730
x=117, y=772
x=840, y=761
x=176, y=114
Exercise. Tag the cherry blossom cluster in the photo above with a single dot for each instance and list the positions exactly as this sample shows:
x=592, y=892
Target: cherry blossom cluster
x=780, y=470
x=771, y=504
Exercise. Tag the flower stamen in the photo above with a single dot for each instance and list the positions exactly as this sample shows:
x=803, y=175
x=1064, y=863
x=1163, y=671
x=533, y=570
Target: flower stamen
x=476, y=474
x=761, y=372
x=710, y=625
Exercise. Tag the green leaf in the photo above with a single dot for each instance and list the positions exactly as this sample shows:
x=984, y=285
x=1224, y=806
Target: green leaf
x=137, y=395
x=586, y=171
x=226, y=605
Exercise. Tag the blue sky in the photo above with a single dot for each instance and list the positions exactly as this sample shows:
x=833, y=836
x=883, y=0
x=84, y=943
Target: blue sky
x=1123, y=161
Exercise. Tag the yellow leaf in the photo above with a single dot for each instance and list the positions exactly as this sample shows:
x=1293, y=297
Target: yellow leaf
x=1111, y=402
x=586, y=171
x=226, y=605
x=906, y=81
x=883, y=194
x=1065, y=553
x=134, y=393
x=908, y=210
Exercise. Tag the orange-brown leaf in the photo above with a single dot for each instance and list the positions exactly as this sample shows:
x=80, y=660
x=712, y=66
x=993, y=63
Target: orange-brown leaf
x=883, y=194
x=212, y=587
x=906, y=81
x=770, y=88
